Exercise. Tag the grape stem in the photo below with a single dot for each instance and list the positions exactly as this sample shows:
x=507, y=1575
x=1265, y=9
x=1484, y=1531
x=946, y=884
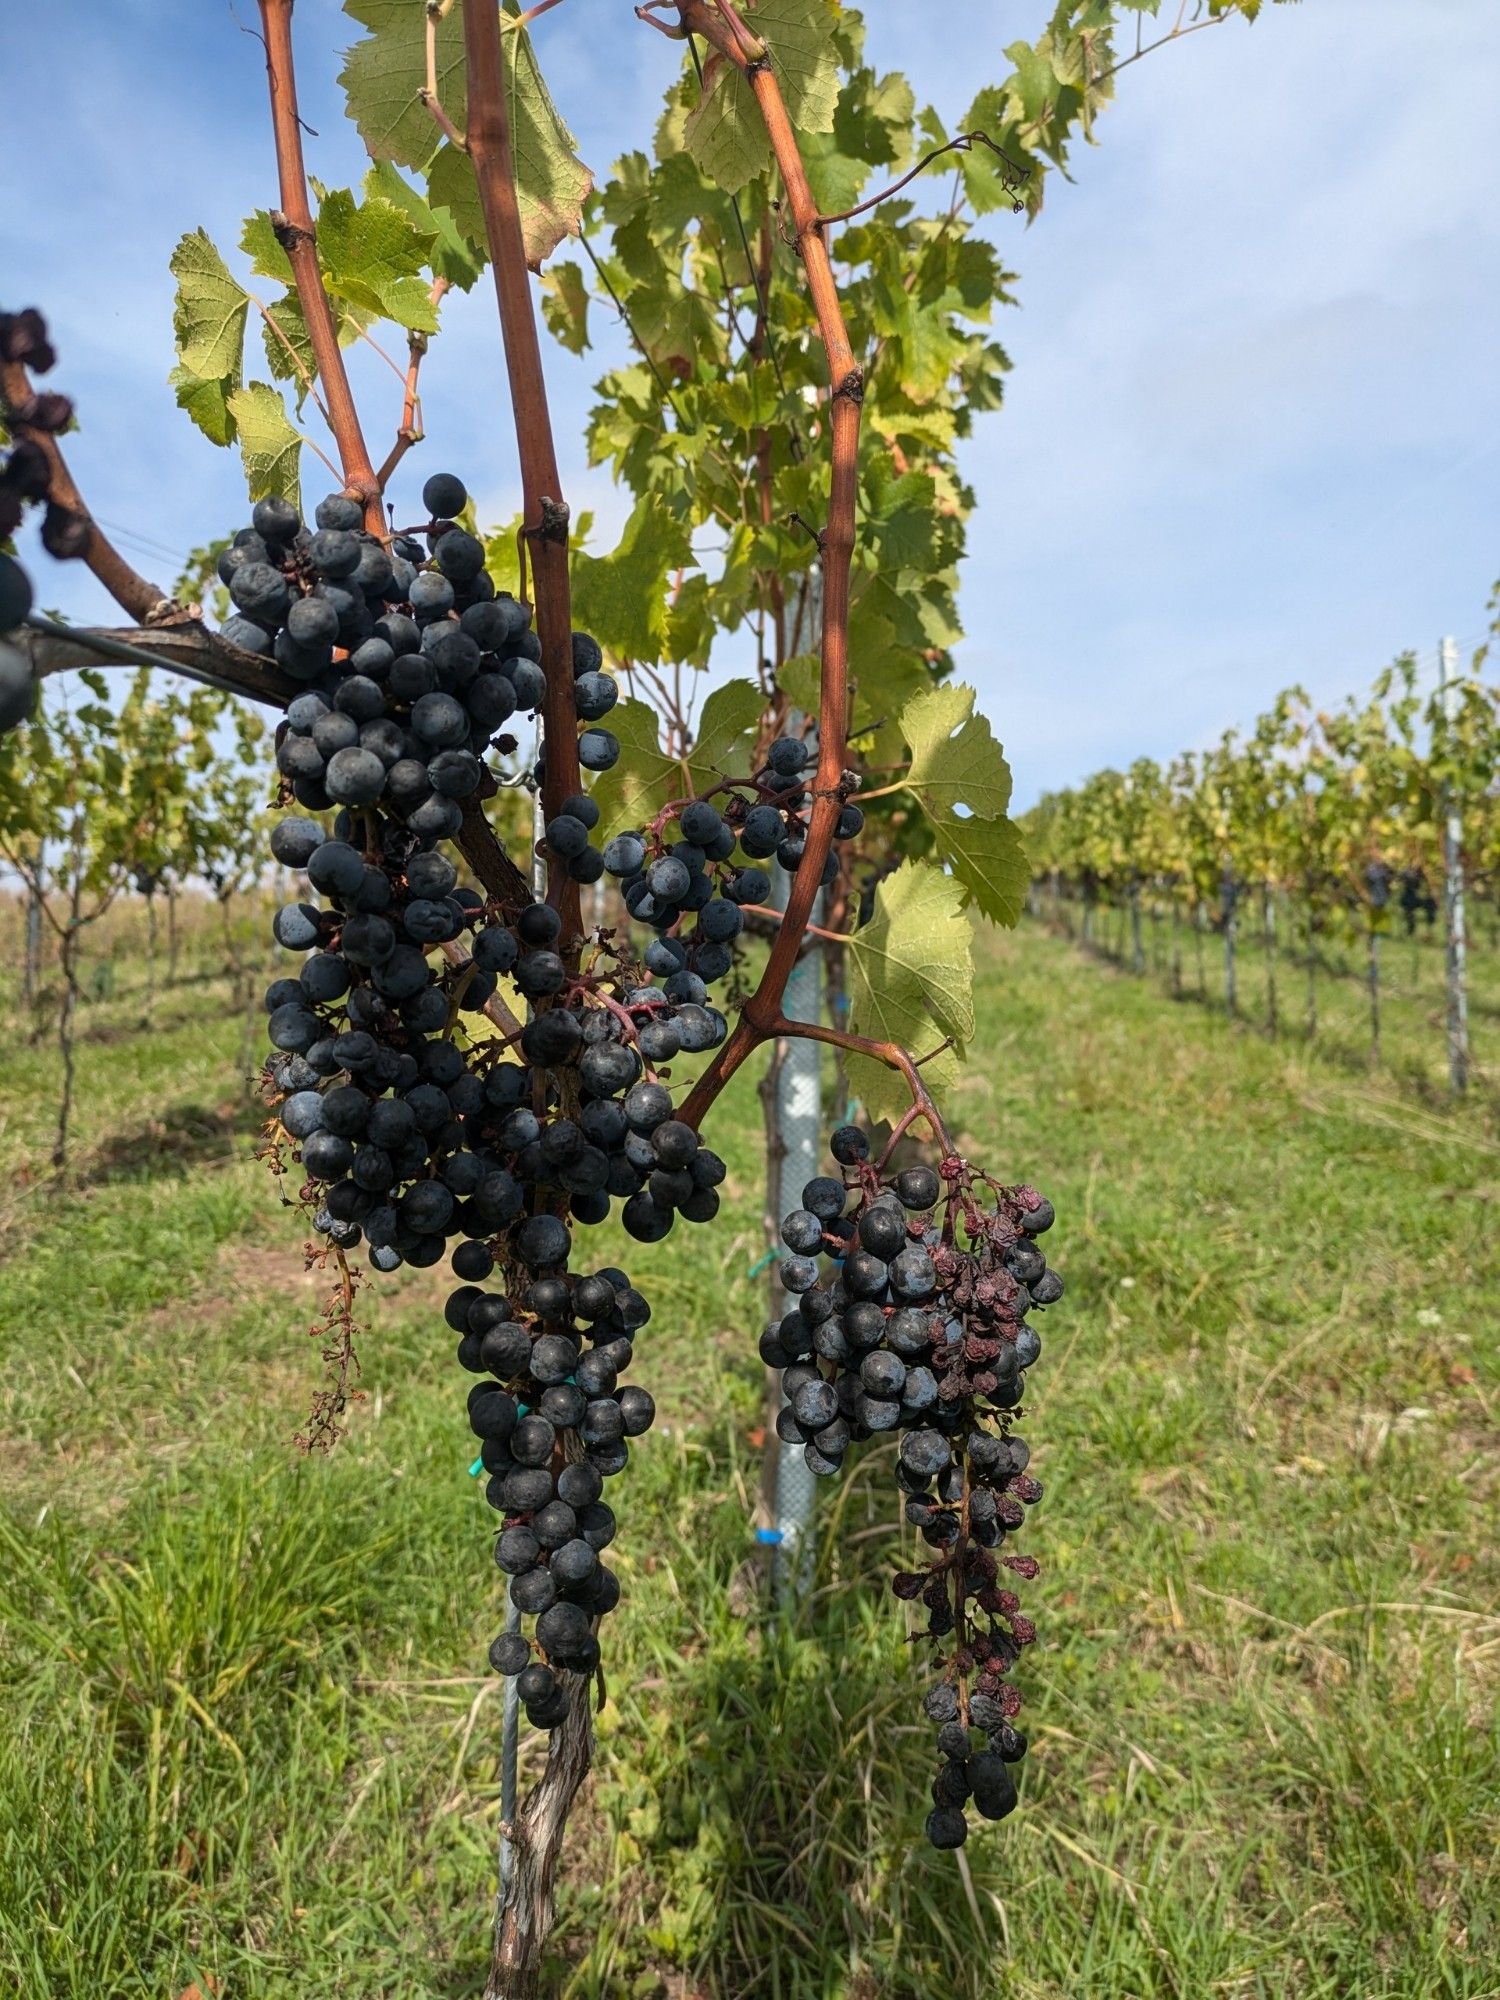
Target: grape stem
x=429, y=95
x=409, y=432
x=890, y=1053
x=779, y=917
x=295, y=232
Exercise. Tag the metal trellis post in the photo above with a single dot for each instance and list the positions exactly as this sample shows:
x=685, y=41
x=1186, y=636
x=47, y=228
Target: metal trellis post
x=799, y=1118
x=1456, y=953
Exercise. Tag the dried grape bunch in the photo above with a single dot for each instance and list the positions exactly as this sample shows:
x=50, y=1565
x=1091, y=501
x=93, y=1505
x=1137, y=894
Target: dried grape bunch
x=912, y=1294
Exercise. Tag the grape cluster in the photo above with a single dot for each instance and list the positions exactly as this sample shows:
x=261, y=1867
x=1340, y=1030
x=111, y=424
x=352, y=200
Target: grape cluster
x=411, y=659
x=411, y=1135
x=553, y=1424
x=25, y=472
x=25, y=480
x=1417, y=900
x=690, y=862
x=921, y=1329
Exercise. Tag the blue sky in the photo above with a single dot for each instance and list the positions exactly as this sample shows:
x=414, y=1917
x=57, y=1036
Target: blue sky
x=1253, y=431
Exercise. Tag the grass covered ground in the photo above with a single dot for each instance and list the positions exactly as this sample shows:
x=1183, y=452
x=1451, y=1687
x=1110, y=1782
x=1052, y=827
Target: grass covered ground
x=247, y=1744
x=1327, y=999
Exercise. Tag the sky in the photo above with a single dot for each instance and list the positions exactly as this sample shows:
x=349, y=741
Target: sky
x=1252, y=433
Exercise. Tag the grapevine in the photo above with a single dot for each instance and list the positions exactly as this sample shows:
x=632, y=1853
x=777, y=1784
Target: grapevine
x=460, y=1067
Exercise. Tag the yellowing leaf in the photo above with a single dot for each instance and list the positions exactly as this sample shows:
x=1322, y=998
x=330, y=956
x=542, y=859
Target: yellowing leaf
x=961, y=780
x=724, y=131
x=552, y=183
x=269, y=445
x=911, y=982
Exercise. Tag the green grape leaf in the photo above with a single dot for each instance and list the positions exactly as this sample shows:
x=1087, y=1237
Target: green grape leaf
x=911, y=981
x=383, y=73
x=883, y=677
x=622, y=598
x=259, y=242
x=269, y=444
x=452, y=255
x=565, y=306
x=678, y=329
x=646, y=777
x=837, y=180
x=206, y=403
x=208, y=315
x=1034, y=84
x=729, y=720
x=289, y=350
x=454, y=192
x=961, y=780
x=381, y=77
x=208, y=327
x=724, y=131
x=374, y=256
x=800, y=680
x=502, y=556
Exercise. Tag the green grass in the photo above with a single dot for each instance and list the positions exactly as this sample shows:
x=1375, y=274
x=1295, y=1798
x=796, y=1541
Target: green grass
x=248, y=1743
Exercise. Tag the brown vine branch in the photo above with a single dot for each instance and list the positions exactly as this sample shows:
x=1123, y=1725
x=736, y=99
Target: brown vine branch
x=293, y=224
x=145, y=602
x=499, y=877
x=761, y=1017
x=187, y=649
x=543, y=509
x=1015, y=174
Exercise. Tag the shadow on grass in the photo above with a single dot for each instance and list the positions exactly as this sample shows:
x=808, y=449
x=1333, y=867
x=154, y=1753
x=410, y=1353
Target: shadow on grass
x=183, y=1138
x=762, y=1823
